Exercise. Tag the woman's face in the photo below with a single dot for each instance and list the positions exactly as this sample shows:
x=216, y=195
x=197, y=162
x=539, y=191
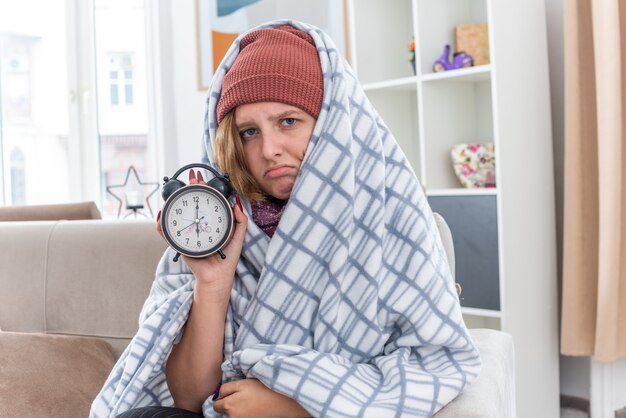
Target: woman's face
x=275, y=137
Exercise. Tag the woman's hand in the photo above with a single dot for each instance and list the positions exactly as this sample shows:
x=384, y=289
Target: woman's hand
x=249, y=398
x=213, y=274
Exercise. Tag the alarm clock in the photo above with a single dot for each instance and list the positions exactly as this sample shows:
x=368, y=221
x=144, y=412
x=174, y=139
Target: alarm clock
x=197, y=220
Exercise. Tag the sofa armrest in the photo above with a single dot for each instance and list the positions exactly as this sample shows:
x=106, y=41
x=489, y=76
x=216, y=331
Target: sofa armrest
x=492, y=394
x=68, y=211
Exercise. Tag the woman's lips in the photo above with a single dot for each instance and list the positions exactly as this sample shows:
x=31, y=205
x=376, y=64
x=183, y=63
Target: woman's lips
x=278, y=171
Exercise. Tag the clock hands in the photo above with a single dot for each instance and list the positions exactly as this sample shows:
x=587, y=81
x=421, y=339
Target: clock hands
x=180, y=230
x=192, y=222
x=197, y=221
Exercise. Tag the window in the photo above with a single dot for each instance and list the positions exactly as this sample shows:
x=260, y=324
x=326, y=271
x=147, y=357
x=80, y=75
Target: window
x=34, y=115
x=128, y=86
x=18, y=186
x=115, y=86
x=17, y=78
x=121, y=78
x=73, y=100
x=122, y=100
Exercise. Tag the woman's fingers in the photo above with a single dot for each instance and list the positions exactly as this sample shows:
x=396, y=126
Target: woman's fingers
x=229, y=388
x=233, y=248
x=159, y=229
x=241, y=222
x=195, y=178
x=240, y=217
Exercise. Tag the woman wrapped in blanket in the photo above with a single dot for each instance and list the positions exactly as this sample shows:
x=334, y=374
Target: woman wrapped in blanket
x=335, y=298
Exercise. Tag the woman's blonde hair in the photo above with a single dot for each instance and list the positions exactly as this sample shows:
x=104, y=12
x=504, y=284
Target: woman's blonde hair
x=230, y=157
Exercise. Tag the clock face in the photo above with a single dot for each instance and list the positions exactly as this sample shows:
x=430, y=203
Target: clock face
x=197, y=220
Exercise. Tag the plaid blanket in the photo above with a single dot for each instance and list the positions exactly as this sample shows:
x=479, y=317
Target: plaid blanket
x=350, y=308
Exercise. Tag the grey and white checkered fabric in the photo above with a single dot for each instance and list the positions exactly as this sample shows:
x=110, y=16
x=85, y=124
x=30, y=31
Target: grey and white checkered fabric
x=350, y=308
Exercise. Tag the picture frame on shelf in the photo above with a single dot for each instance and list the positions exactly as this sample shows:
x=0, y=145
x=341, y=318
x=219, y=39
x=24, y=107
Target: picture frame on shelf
x=473, y=39
x=219, y=22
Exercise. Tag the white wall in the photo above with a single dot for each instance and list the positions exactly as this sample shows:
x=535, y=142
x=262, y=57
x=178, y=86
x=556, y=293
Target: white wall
x=190, y=102
x=182, y=104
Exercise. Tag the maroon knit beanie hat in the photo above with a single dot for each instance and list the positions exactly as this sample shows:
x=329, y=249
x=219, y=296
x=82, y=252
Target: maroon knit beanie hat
x=277, y=64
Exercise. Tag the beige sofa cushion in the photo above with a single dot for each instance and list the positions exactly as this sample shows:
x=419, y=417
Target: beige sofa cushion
x=23, y=258
x=51, y=375
x=69, y=211
x=492, y=394
x=99, y=274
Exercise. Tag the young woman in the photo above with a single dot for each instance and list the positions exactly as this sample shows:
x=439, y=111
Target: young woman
x=335, y=298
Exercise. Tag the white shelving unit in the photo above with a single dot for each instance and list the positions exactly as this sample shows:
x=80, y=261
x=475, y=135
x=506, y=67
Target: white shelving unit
x=504, y=236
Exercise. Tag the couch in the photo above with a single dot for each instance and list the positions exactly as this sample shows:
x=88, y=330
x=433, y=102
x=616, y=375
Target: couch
x=54, y=212
x=70, y=296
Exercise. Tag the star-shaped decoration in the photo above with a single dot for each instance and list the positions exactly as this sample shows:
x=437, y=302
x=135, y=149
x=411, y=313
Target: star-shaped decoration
x=132, y=193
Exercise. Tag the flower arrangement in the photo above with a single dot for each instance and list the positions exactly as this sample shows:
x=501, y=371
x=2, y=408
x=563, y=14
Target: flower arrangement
x=412, y=53
x=474, y=164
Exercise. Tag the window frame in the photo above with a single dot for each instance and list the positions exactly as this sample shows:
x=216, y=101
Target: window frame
x=87, y=183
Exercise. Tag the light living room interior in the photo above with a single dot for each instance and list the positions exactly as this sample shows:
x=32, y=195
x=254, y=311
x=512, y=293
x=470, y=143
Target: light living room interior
x=509, y=112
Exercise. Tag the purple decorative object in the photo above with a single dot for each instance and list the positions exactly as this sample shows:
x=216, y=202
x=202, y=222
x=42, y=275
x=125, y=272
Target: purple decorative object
x=459, y=60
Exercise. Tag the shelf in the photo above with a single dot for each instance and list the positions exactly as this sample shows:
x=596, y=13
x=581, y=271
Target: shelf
x=429, y=112
x=481, y=312
x=463, y=75
x=489, y=191
x=405, y=83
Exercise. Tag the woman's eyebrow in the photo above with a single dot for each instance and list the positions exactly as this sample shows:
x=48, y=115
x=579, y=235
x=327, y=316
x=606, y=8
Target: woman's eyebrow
x=282, y=115
x=287, y=113
x=245, y=122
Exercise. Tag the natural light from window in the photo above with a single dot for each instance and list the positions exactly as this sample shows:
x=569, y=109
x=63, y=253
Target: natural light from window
x=42, y=127
x=123, y=105
x=34, y=120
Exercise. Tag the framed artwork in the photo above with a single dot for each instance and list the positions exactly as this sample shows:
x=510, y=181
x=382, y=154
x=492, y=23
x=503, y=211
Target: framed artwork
x=219, y=22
